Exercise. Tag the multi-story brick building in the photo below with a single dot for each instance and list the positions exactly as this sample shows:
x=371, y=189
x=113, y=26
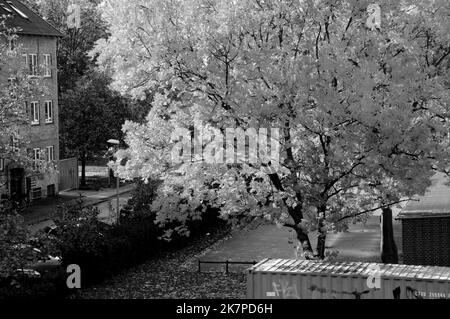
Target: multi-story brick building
x=37, y=40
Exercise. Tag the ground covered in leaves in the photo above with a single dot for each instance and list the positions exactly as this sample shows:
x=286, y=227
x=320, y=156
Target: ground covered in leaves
x=173, y=275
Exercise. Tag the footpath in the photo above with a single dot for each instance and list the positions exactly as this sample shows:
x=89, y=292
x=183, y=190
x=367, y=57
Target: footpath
x=360, y=243
x=38, y=215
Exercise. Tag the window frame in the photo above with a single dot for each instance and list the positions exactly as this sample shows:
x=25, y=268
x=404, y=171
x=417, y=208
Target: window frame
x=47, y=65
x=12, y=80
x=12, y=44
x=15, y=145
x=35, y=112
x=36, y=158
x=50, y=150
x=27, y=67
x=48, y=106
x=33, y=68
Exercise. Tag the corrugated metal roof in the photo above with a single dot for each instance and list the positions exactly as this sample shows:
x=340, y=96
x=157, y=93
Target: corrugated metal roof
x=312, y=267
x=434, y=203
x=26, y=20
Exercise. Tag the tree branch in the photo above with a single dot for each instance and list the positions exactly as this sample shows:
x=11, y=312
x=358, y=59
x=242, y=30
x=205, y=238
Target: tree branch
x=374, y=209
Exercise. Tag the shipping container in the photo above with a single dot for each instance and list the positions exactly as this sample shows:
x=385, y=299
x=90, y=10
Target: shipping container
x=306, y=279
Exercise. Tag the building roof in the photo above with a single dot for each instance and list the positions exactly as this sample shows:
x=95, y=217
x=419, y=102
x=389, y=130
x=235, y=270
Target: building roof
x=351, y=269
x=434, y=203
x=26, y=20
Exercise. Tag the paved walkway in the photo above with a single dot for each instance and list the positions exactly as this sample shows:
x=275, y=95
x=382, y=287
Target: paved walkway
x=360, y=243
x=94, y=196
x=38, y=215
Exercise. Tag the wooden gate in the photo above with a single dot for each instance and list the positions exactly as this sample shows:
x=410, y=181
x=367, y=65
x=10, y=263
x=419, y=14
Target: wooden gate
x=68, y=174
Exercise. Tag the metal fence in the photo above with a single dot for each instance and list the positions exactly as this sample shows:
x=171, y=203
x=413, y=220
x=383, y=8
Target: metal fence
x=226, y=262
x=68, y=174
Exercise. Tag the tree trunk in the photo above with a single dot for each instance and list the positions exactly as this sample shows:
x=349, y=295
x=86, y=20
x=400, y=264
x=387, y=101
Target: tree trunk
x=297, y=215
x=305, y=243
x=321, y=238
x=389, y=254
x=83, y=170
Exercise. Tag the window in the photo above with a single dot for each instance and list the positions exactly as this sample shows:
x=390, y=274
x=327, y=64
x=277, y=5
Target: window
x=25, y=61
x=36, y=156
x=50, y=153
x=48, y=111
x=2, y=164
x=12, y=44
x=14, y=142
x=12, y=80
x=32, y=64
x=47, y=65
x=34, y=113
x=36, y=193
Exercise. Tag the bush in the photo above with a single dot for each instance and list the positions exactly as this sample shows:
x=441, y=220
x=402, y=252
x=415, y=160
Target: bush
x=142, y=197
x=80, y=238
x=102, y=250
x=14, y=253
x=18, y=254
x=99, y=249
x=51, y=284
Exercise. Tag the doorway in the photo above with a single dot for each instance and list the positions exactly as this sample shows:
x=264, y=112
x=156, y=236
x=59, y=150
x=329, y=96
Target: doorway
x=16, y=183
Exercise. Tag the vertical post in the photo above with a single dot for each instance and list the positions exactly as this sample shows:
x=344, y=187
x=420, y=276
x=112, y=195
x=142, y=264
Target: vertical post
x=226, y=266
x=118, y=212
x=389, y=252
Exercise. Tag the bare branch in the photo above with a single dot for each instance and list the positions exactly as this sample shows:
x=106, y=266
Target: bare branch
x=377, y=208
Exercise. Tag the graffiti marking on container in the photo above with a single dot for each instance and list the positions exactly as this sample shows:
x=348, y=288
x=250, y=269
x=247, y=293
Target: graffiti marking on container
x=284, y=290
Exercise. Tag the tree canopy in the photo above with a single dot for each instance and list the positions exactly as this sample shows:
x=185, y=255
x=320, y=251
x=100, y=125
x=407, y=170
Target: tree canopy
x=362, y=112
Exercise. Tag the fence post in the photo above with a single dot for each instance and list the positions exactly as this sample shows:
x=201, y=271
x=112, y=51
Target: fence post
x=199, y=266
x=226, y=266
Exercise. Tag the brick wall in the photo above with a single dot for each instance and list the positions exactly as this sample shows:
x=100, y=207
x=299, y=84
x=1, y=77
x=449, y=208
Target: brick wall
x=43, y=134
x=426, y=241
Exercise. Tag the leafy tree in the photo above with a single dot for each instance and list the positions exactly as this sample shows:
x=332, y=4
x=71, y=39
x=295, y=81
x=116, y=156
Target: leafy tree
x=90, y=115
x=362, y=112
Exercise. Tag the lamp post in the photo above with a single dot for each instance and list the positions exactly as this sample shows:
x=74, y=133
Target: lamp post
x=116, y=146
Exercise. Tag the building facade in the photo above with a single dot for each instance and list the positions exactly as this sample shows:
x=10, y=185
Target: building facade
x=37, y=40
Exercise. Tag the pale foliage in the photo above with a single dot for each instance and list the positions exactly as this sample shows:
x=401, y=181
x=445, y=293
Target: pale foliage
x=363, y=114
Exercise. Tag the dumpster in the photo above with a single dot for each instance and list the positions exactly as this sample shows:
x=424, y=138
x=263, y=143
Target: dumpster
x=307, y=279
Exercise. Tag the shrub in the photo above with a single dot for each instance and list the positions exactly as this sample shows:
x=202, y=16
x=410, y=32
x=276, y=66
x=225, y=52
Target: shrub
x=80, y=238
x=15, y=253
x=18, y=253
x=50, y=284
x=102, y=250
x=142, y=197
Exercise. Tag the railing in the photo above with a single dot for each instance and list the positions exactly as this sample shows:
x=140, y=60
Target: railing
x=226, y=262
